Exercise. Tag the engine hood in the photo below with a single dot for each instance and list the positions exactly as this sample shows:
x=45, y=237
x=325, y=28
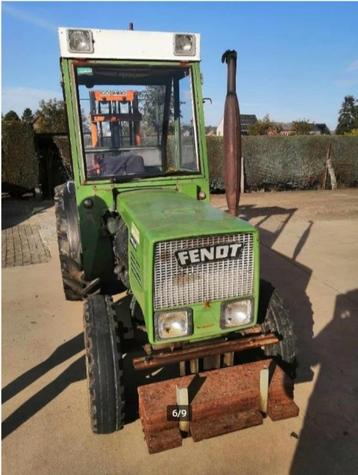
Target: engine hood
x=166, y=214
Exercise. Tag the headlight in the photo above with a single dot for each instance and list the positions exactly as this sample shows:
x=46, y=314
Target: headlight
x=80, y=41
x=184, y=45
x=173, y=323
x=236, y=313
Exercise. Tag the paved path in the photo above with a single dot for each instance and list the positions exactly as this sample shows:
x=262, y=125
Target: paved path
x=309, y=251
x=22, y=245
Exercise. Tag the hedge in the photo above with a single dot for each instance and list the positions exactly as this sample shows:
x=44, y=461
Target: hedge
x=64, y=150
x=297, y=162
x=20, y=166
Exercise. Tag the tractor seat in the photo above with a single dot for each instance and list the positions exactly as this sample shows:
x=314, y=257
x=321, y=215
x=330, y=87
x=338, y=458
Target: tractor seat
x=125, y=163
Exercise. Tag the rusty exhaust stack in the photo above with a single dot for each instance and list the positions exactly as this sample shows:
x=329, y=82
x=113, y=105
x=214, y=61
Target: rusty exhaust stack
x=232, y=136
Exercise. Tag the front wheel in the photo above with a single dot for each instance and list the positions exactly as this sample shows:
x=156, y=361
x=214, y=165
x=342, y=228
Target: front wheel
x=275, y=318
x=104, y=365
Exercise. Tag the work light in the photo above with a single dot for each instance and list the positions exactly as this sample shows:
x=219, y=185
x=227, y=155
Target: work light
x=184, y=45
x=80, y=41
x=173, y=323
x=236, y=313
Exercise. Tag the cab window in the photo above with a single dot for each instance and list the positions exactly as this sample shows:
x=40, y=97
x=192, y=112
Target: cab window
x=137, y=123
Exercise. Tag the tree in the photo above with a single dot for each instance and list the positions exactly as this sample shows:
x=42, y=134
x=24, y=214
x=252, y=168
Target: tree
x=348, y=116
x=27, y=116
x=153, y=106
x=51, y=117
x=11, y=116
x=301, y=127
x=265, y=126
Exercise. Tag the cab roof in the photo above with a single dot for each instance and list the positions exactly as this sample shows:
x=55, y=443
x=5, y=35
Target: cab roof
x=130, y=45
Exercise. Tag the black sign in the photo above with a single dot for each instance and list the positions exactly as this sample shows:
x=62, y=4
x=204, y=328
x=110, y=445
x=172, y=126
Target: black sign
x=201, y=255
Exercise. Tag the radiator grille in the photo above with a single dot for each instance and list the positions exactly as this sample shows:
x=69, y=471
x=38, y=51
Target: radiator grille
x=176, y=286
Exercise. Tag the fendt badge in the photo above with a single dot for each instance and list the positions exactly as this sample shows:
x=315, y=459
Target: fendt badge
x=200, y=255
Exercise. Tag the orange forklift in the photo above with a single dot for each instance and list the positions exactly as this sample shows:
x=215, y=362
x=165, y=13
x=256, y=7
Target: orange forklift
x=113, y=102
x=115, y=107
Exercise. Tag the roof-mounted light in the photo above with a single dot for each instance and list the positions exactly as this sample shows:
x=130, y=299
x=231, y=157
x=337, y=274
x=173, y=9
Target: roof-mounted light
x=80, y=41
x=95, y=43
x=184, y=45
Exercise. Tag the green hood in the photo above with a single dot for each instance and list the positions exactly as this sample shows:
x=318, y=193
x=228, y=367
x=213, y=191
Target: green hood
x=163, y=214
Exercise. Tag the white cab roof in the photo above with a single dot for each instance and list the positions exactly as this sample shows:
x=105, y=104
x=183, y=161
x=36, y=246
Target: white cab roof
x=129, y=44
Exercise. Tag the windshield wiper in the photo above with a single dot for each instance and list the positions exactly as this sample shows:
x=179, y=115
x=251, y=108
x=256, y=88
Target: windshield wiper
x=179, y=172
x=171, y=173
x=125, y=178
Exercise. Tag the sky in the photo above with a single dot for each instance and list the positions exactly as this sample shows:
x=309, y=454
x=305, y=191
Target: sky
x=295, y=60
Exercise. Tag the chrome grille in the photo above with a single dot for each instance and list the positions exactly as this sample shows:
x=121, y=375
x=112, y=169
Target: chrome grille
x=175, y=286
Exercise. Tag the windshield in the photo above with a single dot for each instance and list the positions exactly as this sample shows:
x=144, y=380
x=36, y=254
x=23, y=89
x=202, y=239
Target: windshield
x=137, y=122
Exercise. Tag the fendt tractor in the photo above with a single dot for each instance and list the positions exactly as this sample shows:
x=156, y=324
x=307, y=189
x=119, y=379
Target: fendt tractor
x=137, y=219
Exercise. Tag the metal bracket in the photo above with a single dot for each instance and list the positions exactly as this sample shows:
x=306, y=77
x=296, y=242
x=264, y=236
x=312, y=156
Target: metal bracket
x=264, y=386
x=182, y=396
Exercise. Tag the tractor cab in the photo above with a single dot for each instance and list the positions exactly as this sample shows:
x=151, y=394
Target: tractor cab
x=138, y=119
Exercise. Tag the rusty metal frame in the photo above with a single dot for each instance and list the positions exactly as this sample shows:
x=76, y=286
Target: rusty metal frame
x=158, y=359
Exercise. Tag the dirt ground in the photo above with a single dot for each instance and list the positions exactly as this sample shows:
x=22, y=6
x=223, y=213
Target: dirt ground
x=309, y=251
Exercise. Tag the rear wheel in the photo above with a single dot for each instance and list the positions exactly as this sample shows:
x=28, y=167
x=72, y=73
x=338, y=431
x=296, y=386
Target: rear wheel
x=274, y=318
x=69, y=244
x=104, y=365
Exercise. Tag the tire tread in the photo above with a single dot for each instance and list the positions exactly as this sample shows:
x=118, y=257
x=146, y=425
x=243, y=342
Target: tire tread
x=104, y=365
x=63, y=243
x=274, y=317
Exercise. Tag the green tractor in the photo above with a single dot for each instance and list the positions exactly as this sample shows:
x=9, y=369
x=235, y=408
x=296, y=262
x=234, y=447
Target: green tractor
x=137, y=216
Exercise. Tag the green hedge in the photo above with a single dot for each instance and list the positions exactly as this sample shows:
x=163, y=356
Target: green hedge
x=20, y=166
x=288, y=162
x=296, y=162
x=64, y=150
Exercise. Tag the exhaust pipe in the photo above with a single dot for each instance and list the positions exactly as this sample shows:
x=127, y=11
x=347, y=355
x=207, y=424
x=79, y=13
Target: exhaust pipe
x=232, y=136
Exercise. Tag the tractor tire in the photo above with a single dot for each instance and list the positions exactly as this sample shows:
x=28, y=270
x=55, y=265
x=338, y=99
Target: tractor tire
x=274, y=318
x=69, y=244
x=68, y=238
x=103, y=344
